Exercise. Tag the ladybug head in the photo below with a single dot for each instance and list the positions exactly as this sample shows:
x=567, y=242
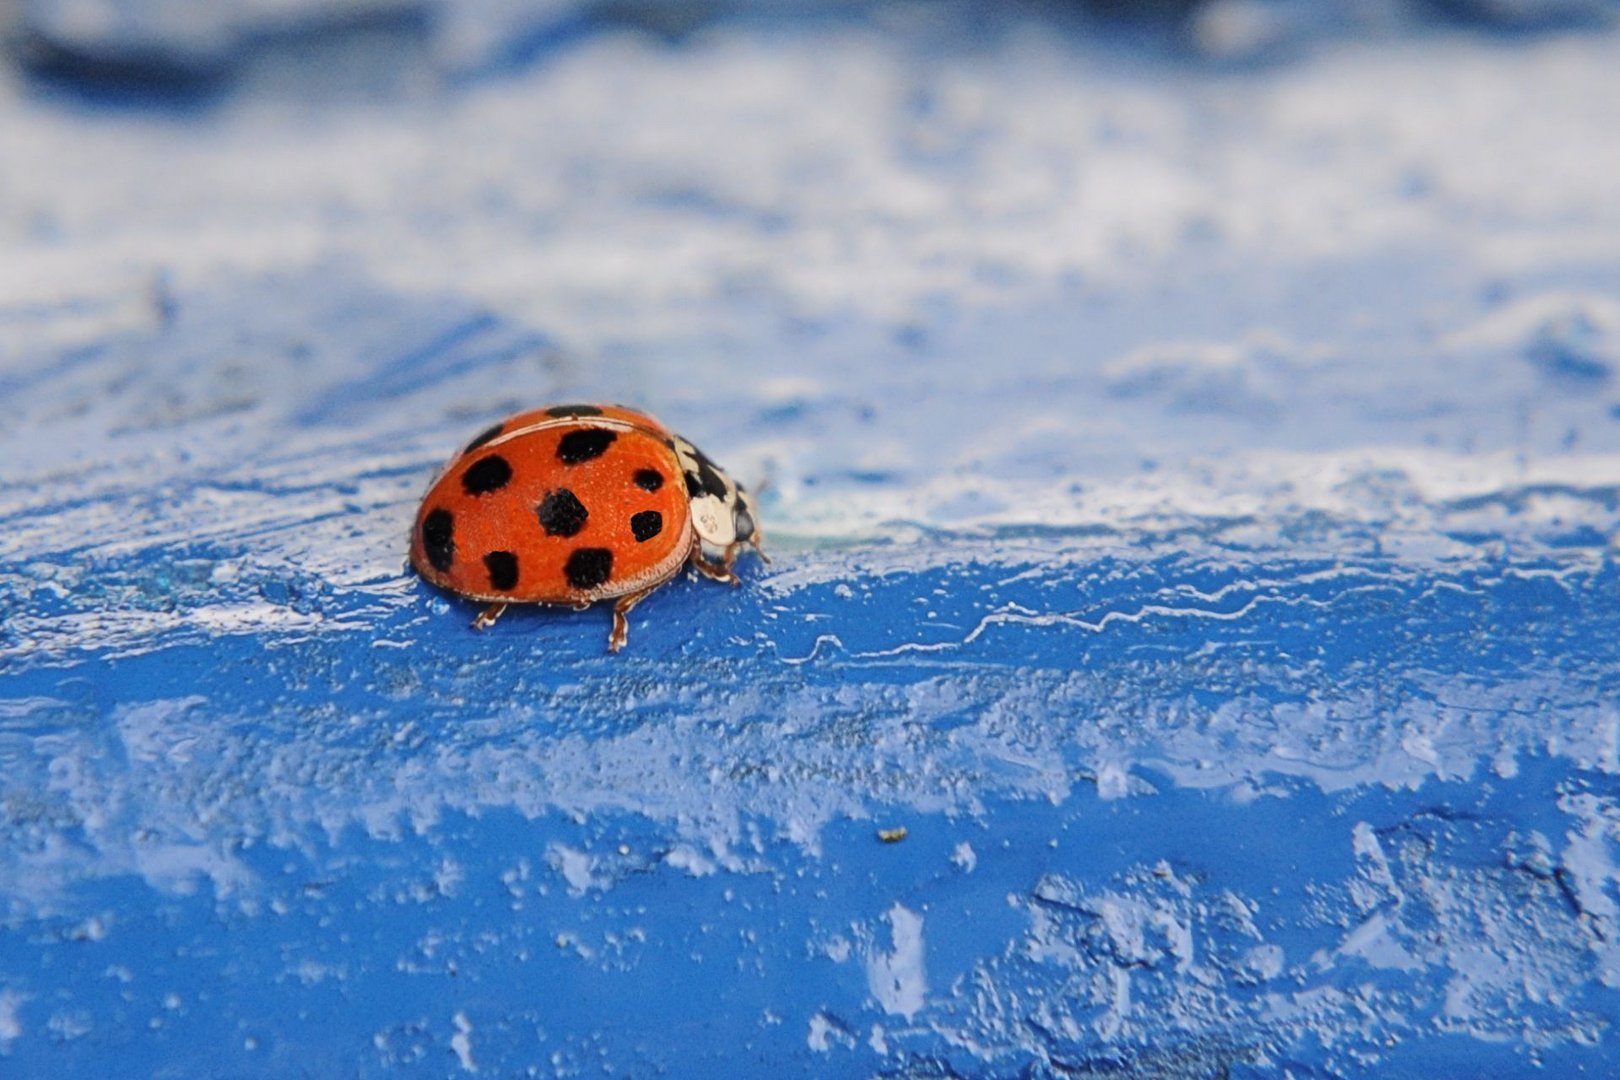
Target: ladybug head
x=722, y=513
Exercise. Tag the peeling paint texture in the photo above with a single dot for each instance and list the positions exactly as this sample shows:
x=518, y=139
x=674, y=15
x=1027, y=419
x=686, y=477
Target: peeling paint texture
x=1188, y=446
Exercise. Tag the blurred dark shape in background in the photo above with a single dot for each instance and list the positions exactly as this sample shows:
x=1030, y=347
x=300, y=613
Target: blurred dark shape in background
x=169, y=52
x=177, y=51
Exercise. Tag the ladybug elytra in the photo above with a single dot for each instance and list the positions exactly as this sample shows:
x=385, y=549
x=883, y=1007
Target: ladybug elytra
x=578, y=503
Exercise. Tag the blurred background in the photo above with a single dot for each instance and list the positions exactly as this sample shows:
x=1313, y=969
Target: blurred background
x=1190, y=447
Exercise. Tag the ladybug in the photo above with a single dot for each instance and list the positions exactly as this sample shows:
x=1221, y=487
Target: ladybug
x=578, y=503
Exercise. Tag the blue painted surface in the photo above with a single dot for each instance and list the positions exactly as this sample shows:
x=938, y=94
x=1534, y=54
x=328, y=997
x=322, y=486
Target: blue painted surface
x=315, y=854
x=1235, y=640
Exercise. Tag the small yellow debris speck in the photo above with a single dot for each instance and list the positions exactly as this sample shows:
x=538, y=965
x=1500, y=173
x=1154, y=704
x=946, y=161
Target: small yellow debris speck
x=892, y=836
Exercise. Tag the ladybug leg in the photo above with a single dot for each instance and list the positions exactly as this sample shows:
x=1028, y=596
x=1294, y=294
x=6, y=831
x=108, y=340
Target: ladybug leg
x=720, y=571
x=487, y=617
x=621, y=624
x=735, y=549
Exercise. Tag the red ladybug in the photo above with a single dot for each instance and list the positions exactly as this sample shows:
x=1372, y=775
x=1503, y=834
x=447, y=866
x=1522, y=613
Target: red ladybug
x=575, y=504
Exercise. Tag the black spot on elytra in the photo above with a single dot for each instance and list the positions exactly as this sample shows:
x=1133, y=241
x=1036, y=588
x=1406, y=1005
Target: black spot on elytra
x=439, y=539
x=589, y=567
x=584, y=445
x=649, y=479
x=503, y=570
x=646, y=525
x=561, y=513
x=486, y=475
x=573, y=410
x=483, y=438
x=743, y=521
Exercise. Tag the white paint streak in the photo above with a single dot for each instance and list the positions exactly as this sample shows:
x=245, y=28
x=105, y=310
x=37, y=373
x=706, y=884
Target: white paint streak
x=11, y=1028
x=461, y=1043
x=898, y=979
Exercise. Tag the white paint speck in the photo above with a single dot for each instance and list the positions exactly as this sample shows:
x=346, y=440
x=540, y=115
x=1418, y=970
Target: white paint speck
x=837, y=949
x=574, y=866
x=965, y=857
x=448, y=877
x=1113, y=782
x=1264, y=961
x=688, y=858
x=826, y=1032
